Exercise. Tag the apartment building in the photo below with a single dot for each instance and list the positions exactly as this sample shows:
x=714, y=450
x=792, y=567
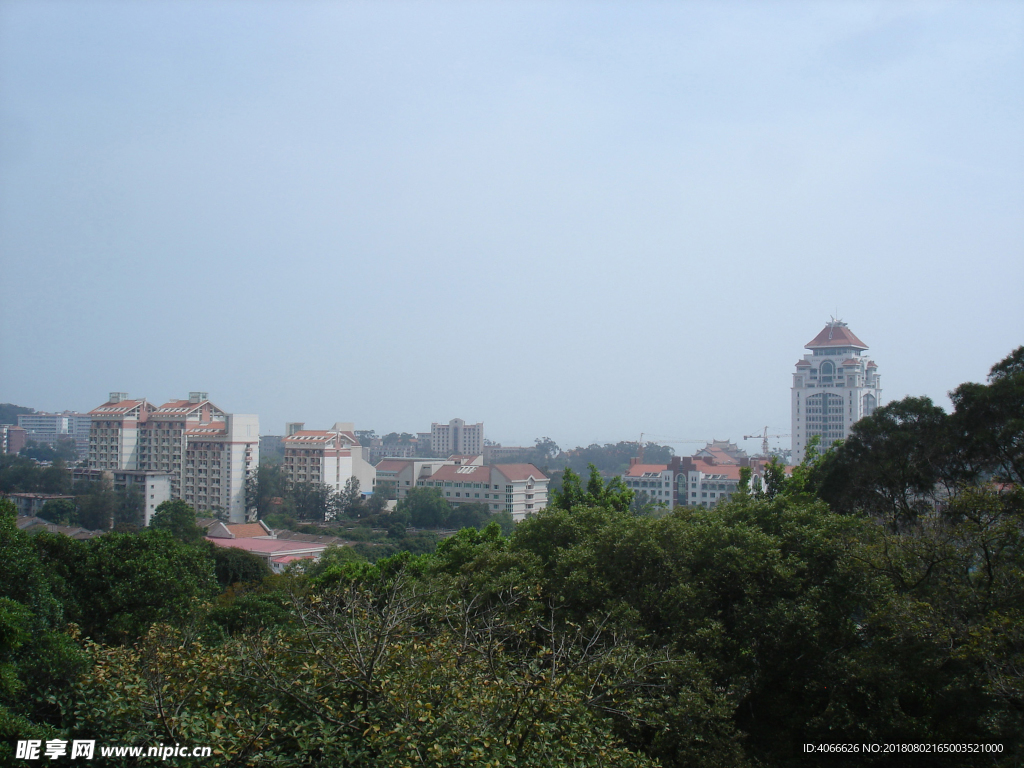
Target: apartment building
x=456, y=437
x=50, y=428
x=207, y=454
x=12, y=438
x=834, y=386
x=328, y=456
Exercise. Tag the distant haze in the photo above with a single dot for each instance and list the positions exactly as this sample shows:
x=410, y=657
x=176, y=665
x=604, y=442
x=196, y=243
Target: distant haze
x=579, y=220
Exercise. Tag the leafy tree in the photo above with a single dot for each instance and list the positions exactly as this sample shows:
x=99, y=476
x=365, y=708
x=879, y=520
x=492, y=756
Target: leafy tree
x=612, y=458
x=9, y=412
x=236, y=566
x=891, y=463
x=988, y=420
x=98, y=506
x=55, y=478
x=313, y=501
x=64, y=450
x=37, y=660
x=350, y=502
x=613, y=495
x=130, y=513
x=60, y=512
x=179, y=520
x=425, y=507
x=382, y=493
x=468, y=516
x=123, y=583
x=268, y=484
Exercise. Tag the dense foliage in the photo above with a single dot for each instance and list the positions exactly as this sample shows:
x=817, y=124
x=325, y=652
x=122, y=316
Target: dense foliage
x=876, y=596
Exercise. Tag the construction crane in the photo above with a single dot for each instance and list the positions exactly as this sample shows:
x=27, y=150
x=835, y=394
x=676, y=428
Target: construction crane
x=764, y=440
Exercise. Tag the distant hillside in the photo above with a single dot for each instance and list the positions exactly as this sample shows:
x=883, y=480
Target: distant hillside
x=9, y=412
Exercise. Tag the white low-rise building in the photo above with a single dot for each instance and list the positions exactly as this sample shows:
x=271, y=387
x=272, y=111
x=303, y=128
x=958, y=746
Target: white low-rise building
x=520, y=489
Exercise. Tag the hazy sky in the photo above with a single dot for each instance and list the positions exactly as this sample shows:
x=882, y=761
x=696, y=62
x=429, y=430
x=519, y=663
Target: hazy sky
x=581, y=220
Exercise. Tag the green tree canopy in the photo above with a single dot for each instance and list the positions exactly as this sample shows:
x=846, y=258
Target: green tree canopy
x=179, y=520
x=425, y=507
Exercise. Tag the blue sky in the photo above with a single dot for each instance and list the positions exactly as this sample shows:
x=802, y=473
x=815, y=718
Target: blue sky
x=580, y=220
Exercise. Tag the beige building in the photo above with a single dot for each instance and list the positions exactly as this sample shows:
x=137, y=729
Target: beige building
x=520, y=489
x=834, y=386
x=456, y=437
x=328, y=456
x=207, y=453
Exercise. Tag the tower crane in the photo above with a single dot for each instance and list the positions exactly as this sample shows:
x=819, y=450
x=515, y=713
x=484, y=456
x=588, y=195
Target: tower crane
x=764, y=440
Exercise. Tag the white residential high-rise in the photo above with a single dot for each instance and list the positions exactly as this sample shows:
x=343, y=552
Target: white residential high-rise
x=327, y=456
x=208, y=454
x=834, y=386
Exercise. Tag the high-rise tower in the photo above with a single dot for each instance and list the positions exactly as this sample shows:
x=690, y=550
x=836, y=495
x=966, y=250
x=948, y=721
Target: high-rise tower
x=834, y=386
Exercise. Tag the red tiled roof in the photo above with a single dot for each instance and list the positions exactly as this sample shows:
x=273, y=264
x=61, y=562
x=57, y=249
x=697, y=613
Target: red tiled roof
x=640, y=469
x=473, y=472
x=729, y=471
x=871, y=364
x=306, y=436
x=803, y=364
x=516, y=472
x=393, y=465
x=214, y=427
x=835, y=335
x=179, y=406
x=122, y=407
x=247, y=530
x=851, y=361
x=269, y=546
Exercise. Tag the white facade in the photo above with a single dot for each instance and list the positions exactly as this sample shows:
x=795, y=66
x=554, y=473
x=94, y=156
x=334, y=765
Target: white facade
x=456, y=437
x=520, y=489
x=407, y=474
x=49, y=428
x=208, y=454
x=329, y=457
x=834, y=386
x=155, y=488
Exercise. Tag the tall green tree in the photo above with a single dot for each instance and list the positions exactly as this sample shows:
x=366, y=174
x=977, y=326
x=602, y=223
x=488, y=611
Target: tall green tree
x=177, y=518
x=614, y=494
x=425, y=507
x=988, y=420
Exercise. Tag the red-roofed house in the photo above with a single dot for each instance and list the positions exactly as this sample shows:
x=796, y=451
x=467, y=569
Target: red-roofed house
x=834, y=386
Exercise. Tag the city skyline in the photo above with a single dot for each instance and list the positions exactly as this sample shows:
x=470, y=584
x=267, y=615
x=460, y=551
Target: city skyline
x=581, y=222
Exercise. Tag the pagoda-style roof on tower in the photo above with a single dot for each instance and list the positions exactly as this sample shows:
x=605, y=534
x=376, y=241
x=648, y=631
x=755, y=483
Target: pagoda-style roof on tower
x=835, y=334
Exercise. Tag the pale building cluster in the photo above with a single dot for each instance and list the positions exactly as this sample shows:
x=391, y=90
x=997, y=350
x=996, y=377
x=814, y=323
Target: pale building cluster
x=705, y=479
x=51, y=428
x=207, y=455
x=192, y=450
